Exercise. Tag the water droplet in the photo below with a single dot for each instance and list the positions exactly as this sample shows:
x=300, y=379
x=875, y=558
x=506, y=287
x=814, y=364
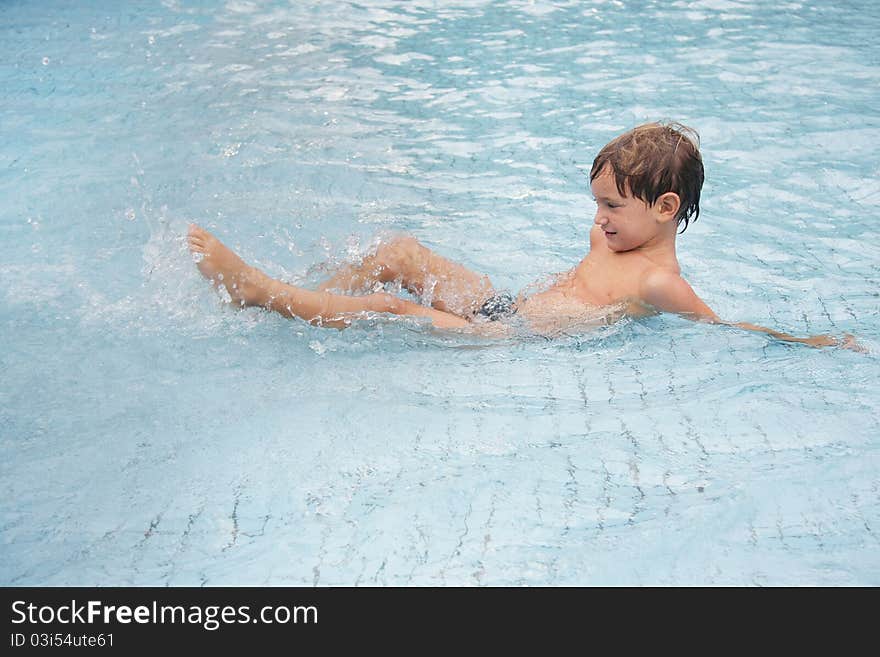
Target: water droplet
x=130, y=214
x=46, y=61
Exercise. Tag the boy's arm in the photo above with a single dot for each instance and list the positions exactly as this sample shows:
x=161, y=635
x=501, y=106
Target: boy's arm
x=669, y=292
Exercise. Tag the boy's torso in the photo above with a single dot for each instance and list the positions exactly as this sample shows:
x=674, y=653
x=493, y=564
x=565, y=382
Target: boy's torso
x=603, y=284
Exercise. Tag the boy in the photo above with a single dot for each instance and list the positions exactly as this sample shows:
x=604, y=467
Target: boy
x=646, y=183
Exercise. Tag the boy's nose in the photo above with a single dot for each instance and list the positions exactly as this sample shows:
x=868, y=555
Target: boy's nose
x=600, y=220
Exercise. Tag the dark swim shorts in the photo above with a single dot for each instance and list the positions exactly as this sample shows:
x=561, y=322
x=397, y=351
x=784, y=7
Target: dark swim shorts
x=498, y=307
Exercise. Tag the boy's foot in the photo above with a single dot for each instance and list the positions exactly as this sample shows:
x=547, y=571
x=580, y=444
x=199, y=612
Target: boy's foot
x=221, y=266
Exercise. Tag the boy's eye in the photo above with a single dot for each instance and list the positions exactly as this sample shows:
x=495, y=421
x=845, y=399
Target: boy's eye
x=608, y=203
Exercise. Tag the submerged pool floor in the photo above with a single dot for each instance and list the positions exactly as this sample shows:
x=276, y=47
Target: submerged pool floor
x=151, y=435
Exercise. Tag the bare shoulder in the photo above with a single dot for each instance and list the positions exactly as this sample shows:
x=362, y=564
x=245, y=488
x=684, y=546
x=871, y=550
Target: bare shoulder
x=657, y=280
x=665, y=289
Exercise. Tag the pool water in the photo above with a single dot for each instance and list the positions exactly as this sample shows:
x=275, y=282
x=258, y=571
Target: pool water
x=152, y=435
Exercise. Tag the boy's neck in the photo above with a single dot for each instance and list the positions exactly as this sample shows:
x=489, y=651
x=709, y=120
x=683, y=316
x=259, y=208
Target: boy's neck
x=659, y=250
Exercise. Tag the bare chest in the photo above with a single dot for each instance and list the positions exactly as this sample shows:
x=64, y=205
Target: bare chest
x=602, y=279
x=596, y=284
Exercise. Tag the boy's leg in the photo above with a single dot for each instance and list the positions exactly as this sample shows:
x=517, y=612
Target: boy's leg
x=249, y=286
x=452, y=287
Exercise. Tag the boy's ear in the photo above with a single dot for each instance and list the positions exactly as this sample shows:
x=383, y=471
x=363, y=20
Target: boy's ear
x=667, y=206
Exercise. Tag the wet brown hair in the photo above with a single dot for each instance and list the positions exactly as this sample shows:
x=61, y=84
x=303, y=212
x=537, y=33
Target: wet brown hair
x=653, y=159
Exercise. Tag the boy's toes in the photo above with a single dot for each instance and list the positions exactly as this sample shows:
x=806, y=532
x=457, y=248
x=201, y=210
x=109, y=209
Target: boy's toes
x=196, y=243
x=199, y=239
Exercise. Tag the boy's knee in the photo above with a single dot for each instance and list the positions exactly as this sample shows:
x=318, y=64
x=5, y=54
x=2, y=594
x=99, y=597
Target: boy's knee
x=400, y=253
x=404, y=243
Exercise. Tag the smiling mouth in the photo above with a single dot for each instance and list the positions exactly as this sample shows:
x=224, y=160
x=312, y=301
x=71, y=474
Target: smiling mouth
x=608, y=232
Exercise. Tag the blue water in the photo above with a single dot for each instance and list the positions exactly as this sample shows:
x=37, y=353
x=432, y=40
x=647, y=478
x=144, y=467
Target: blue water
x=152, y=435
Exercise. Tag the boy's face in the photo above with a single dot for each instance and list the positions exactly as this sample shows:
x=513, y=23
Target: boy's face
x=628, y=222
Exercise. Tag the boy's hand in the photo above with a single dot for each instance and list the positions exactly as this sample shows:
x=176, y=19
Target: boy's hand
x=848, y=341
